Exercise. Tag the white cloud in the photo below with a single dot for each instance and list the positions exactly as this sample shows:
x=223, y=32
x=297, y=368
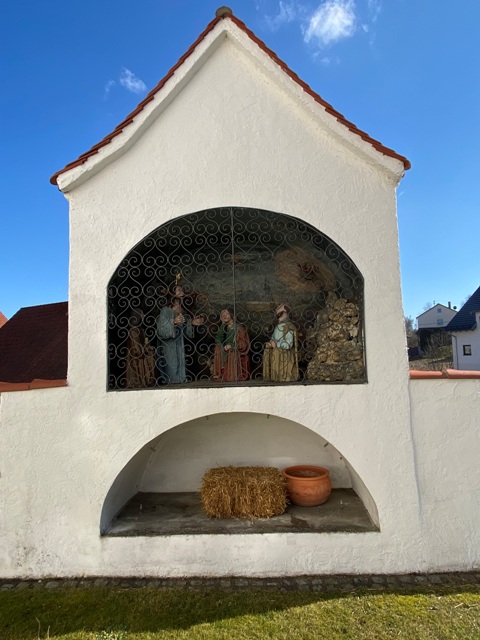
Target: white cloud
x=326, y=61
x=108, y=87
x=287, y=13
x=375, y=7
x=332, y=21
x=129, y=81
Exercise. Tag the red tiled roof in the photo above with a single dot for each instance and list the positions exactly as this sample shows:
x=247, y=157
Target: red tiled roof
x=33, y=344
x=3, y=319
x=129, y=119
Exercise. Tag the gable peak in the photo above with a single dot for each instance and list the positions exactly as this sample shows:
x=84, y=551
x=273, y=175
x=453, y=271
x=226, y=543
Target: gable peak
x=222, y=14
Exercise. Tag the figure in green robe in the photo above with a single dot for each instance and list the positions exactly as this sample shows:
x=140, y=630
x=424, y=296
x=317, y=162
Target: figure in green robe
x=231, y=358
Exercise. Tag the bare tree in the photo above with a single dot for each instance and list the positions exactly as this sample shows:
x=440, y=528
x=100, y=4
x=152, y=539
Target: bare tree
x=412, y=338
x=439, y=352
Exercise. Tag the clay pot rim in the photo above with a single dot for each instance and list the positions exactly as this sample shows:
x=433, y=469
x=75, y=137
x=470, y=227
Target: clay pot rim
x=321, y=472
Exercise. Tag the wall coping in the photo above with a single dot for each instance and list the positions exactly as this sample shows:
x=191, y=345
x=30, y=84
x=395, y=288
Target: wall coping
x=453, y=374
x=33, y=384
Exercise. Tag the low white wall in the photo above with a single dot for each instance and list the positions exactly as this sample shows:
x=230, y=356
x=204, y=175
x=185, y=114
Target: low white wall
x=60, y=457
x=445, y=420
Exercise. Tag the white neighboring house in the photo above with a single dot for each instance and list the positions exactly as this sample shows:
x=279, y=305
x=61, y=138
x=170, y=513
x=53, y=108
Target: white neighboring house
x=437, y=316
x=433, y=320
x=465, y=330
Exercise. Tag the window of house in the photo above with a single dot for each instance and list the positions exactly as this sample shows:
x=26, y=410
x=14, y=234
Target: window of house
x=235, y=296
x=439, y=310
x=467, y=349
x=439, y=322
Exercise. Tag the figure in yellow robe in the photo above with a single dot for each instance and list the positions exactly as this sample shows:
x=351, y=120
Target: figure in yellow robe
x=280, y=358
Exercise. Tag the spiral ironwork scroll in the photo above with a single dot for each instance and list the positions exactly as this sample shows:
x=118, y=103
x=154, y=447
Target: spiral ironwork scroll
x=235, y=296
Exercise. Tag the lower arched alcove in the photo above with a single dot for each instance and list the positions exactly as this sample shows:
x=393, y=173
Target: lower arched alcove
x=157, y=492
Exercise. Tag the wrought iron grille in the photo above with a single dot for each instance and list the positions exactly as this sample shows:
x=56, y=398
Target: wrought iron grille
x=235, y=296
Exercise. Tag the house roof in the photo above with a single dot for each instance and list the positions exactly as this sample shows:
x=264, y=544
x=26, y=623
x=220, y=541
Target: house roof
x=465, y=318
x=434, y=307
x=225, y=13
x=3, y=319
x=33, y=344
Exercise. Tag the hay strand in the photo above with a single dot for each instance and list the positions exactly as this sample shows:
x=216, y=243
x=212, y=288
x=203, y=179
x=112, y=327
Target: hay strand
x=243, y=492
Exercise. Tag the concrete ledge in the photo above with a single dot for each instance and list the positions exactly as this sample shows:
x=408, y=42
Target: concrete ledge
x=326, y=583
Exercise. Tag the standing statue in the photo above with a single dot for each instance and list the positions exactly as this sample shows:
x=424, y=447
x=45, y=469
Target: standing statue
x=173, y=326
x=231, y=359
x=280, y=358
x=140, y=362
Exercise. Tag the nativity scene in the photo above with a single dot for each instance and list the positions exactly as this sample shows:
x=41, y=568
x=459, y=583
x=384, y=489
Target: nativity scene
x=276, y=302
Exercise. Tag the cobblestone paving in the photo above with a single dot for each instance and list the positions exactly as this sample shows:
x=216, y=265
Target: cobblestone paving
x=298, y=583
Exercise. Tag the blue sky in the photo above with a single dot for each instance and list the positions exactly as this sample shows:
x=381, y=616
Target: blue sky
x=404, y=71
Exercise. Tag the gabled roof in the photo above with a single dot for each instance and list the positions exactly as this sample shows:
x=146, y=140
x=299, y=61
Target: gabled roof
x=225, y=14
x=434, y=307
x=3, y=319
x=33, y=344
x=465, y=318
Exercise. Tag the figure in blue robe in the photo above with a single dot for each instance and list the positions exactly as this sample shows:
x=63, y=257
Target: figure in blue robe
x=173, y=326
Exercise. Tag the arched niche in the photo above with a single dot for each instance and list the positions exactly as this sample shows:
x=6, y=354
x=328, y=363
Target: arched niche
x=248, y=262
x=175, y=461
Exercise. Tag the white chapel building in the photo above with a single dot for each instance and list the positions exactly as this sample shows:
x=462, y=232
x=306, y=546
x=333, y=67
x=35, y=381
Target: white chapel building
x=234, y=186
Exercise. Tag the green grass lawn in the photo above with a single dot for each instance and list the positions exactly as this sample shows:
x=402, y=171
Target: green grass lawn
x=141, y=614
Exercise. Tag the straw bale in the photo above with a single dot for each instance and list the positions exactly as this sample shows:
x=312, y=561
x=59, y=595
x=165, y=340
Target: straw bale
x=243, y=492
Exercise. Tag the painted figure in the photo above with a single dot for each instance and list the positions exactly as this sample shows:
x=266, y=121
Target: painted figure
x=231, y=359
x=140, y=365
x=280, y=358
x=173, y=327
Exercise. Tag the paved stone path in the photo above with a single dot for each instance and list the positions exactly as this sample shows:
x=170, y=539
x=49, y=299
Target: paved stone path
x=298, y=583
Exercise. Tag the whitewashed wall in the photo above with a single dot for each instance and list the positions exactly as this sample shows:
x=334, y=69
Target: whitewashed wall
x=462, y=338
x=51, y=505
x=445, y=421
x=237, y=133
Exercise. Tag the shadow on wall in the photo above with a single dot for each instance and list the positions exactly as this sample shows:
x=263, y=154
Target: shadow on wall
x=176, y=460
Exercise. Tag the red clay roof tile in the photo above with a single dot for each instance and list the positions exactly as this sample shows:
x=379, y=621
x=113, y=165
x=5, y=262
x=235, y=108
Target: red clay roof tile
x=34, y=345
x=454, y=374
x=129, y=119
x=3, y=319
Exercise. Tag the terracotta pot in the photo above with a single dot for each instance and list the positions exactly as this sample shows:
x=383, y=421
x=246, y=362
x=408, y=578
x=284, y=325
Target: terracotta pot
x=307, y=485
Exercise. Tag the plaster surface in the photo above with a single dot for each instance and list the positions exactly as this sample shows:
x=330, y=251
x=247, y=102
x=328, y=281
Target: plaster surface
x=232, y=133
x=472, y=339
